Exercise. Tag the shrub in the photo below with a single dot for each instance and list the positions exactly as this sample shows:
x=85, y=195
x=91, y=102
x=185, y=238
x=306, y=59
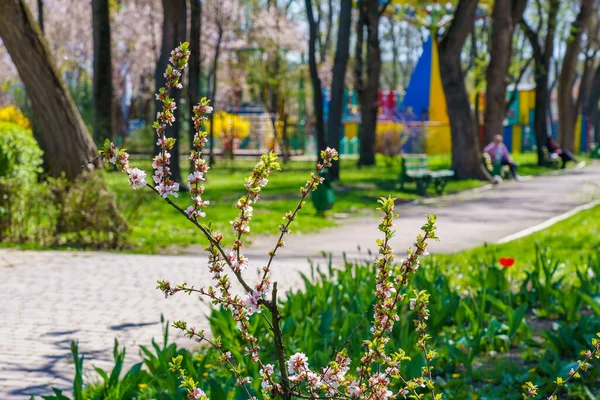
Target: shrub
x=85, y=214
x=20, y=164
x=13, y=114
x=20, y=155
x=52, y=211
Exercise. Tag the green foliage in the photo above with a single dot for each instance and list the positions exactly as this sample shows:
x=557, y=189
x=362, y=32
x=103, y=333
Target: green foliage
x=141, y=140
x=476, y=333
x=58, y=213
x=494, y=328
x=51, y=211
x=20, y=164
x=81, y=91
x=20, y=155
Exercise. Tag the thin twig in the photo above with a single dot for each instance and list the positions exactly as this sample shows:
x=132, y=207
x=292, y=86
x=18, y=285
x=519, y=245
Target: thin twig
x=208, y=235
x=93, y=160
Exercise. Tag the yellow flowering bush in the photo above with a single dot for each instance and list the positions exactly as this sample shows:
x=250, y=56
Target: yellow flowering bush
x=13, y=114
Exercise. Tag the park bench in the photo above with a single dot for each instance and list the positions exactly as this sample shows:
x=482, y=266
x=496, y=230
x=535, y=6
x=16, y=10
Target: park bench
x=415, y=168
x=495, y=169
x=549, y=161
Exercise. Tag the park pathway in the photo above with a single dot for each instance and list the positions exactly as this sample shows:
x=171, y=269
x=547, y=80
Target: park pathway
x=50, y=298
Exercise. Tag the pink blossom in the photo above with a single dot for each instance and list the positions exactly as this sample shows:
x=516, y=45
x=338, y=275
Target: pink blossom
x=193, y=212
x=197, y=394
x=354, y=389
x=195, y=177
x=297, y=363
x=314, y=380
x=166, y=189
x=137, y=178
x=251, y=302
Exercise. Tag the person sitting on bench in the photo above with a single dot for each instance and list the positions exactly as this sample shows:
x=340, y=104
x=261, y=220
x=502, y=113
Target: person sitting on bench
x=500, y=155
x=554, y=150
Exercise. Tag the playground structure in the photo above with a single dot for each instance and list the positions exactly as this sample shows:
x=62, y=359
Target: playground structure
x=519, y=133
x=416, y=124
x=419, y=122
x=250, y=129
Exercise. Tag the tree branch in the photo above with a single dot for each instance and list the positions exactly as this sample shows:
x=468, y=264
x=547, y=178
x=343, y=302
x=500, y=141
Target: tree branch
x=513, y=95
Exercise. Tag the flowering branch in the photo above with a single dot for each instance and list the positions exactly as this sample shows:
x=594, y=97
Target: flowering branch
x=573, y=373
x=296, y=379
x=328, y=156
x=193, y=391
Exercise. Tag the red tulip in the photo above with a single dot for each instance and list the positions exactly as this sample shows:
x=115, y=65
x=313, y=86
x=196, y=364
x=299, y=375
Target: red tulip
x=507, y=262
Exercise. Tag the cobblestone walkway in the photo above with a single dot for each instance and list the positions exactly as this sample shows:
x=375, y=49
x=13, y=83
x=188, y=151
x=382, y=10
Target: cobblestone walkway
x=50, y=298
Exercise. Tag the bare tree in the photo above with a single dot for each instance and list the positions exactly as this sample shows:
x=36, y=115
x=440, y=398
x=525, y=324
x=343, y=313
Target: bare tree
x=367, y=82
x=314, y=77
x=593, y=104
x=195, y=67
x=219, y=24
x=40, y=8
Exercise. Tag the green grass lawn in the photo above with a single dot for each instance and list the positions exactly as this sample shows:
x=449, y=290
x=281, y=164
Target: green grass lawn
x=570, y=242
x=156, y=226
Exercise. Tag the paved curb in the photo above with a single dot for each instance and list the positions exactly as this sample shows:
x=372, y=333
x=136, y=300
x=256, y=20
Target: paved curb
x=548, y=223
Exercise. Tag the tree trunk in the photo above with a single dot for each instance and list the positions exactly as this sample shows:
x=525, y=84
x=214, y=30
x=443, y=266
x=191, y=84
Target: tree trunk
x=314, y=78
x=211, y=157
x=369, y=16
x=40, y=8
x=174, y=32
x=65, y=139
x=466, y=161
x=542, y=97
x=103, y=90
x=542, y=57
x=593, y=104
x=566, y=103
x=336, y=107
x=194, y=64
x=395, y=81
x=476, y=80
x=505, y=15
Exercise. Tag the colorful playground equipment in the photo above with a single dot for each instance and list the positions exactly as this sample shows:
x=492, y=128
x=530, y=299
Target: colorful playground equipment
x=419, y=122
x=425, y=104
x=519, y=133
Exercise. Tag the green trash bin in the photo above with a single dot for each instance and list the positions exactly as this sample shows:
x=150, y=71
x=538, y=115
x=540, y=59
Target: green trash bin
x=595, y=150
x=324, y=197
